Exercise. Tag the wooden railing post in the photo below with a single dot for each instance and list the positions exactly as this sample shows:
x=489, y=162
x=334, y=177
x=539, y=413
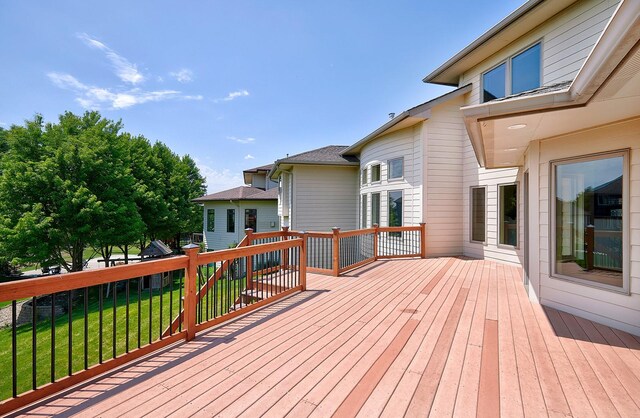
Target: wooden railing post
x=190, y=284
x=249, y=259
x=284, y=264
x=336, y=251
x=303, y=262
x=375, y=241
x=423, y=240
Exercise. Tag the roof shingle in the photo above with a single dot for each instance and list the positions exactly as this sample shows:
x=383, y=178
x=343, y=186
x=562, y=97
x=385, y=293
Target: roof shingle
x=241, y=193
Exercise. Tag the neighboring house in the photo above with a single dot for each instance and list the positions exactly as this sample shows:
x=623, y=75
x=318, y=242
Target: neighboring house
x=318, y=189
x=552, y=168
x=228, y=213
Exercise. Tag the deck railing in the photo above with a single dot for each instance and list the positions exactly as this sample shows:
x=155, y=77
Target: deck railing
x=67, y=328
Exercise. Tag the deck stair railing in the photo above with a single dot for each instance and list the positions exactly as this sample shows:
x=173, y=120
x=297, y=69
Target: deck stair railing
x=65, y=329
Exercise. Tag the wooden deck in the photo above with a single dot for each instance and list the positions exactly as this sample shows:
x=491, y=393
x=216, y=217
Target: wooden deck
x=443, y=336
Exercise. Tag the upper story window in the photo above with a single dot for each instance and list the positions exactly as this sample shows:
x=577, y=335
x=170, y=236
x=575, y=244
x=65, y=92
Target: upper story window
x=211, y=220
x=375, y=173
x=396, y=168
x=363, y=177
x=518, y=73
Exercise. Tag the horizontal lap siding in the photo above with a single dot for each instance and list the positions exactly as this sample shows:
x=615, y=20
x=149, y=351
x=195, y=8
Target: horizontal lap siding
x=324, y=197
x=405, y=143
x=444, y=139
x=612, y=308
x=221, y=239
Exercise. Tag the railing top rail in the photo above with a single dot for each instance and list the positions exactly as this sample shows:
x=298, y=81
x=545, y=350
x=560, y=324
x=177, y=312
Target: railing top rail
x=26, y=288
x=221, y=255
x=398, y=228
x=272, y=234
x=356, y=232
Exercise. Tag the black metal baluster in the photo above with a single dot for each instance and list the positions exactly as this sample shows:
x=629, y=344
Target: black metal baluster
x=100, y=305
x=206, y=295
x=86, y=327
x=171, y=302
x=53, y=337
x=150, y=308
x=161, y=296
x=34, y=319
x=14, y=348
x=180, y=303
x=140, y=280
x=113, y=326
x=126, y=320
x=215, y=292
x=70, y=342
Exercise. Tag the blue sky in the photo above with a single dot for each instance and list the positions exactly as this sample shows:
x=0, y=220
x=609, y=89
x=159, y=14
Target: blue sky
x=235, y=84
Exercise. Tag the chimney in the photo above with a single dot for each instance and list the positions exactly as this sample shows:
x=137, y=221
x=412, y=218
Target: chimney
x=392, y=115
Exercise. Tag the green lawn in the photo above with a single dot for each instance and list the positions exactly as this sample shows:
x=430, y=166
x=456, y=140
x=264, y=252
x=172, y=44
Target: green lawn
x=225, y=293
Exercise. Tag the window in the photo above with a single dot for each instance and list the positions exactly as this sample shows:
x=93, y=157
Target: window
x=396, y=168
x=479, y=214
x=375, y=208
x=211, y=220
x=251, y=219
x=363, y=178
x=395, y=208
x=375, y=173
x=363, y=212
x=231, y=220
x=517, y=74
x=589, y=201
x=508, y=214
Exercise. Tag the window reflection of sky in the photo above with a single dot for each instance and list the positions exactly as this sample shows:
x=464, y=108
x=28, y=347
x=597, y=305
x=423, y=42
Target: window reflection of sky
x=592, y=173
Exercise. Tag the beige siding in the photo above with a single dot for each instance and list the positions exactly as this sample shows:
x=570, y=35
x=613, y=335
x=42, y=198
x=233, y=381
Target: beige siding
x=221, y=239
x=609, y=307
x=324, y=197
x=445, y=137
x=407, y=144
x=567, y=40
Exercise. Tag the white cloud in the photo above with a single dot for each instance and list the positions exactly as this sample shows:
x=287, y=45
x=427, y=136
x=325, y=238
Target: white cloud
x=249, y=157
x=242, y=140
x=219, y=179
x=3, y=124
x=233, y=95
x=93, y=97
x=125, y=70
x=184, y=75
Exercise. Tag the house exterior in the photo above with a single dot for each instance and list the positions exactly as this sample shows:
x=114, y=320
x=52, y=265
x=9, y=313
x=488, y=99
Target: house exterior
x=228, y=213
x=318, y=189
x=552, y=163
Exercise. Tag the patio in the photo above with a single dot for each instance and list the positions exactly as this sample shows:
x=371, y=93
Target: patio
x=445, y=336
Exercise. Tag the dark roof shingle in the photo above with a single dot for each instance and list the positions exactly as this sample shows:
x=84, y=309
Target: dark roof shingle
x=241, y=193
x=330, y=154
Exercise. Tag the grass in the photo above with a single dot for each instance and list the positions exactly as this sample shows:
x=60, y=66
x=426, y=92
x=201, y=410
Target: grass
x=147, y=317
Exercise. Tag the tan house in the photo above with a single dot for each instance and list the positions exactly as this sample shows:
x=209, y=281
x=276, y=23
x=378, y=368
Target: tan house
x=228, y=213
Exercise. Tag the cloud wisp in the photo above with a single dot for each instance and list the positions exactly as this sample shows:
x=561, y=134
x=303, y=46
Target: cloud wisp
x=125, y=70
x=92, y=97
x=233, y=95
x=241, y=140
x=184, y=75
x=249, y=157
x=219, y=179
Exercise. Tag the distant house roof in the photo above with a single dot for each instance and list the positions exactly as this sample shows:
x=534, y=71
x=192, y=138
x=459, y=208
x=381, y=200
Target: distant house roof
x=406, y=119
x=329, y=155
x=156, y=248
x=240, y=193
x=247, y=174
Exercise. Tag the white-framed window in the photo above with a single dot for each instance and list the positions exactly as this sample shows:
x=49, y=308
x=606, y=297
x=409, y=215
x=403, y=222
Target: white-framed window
x=508, y=214
x=375, y=173
x=518, y=73
x=231, y=220
x=395, y=168
x=589, y=220
x=395, y=208
x=363, y=211
x=478, y=214
x=363, y=176
x=375, y=208
x=211, y=220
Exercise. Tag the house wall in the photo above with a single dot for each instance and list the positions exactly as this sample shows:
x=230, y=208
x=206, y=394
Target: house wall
x=405, y=143
x=323, y=197
x=220, y=239
x=261, y=182
x=605, y=306
x=567, y=40
x=444, y=137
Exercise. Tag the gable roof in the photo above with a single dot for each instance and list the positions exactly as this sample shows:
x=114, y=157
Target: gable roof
x=264, y=169
x=406, y=119
x=240, y=193
x=525, y=18
x=329, y=155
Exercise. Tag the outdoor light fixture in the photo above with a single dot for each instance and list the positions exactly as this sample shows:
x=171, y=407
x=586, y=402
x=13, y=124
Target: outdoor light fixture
x=517, y=126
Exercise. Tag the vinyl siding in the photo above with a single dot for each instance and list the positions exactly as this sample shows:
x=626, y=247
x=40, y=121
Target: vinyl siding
x=444, y=136
x=604, y=306
x=407, y=144
x=220, y=239
x=324, y=197
x=567, y=40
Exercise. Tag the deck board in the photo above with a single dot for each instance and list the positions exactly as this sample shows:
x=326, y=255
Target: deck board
x=445, y=336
